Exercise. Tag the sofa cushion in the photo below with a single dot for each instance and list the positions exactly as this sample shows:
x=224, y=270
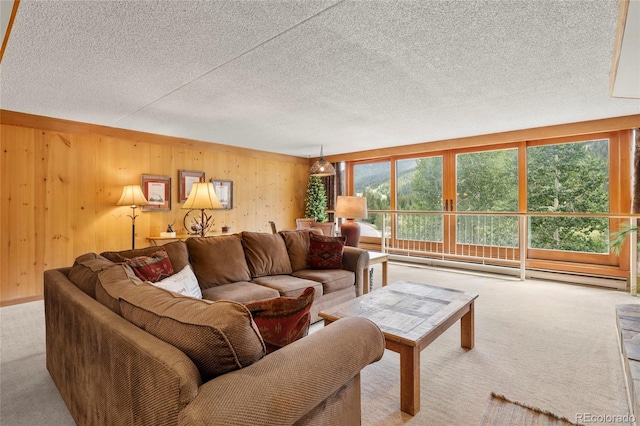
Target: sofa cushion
x=297, y=243
x=151, y=268
x=325, y=252
x=282, y=320
x=218, y=260
x=288, y=285
x=177, y=251
x=183, y=282
x=218, y=337
x=242, y=292
x=114, y=282
x=266, y=254
x=85, y=270
x=331, y=279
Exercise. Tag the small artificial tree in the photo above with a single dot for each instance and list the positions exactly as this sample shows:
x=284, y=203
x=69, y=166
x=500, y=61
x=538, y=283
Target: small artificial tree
x=315, y=202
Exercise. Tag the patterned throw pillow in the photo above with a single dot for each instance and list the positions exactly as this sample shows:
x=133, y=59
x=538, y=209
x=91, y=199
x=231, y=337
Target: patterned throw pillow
x=151, y=268
x=325, y=252
x=183, y=282
x=282, y=320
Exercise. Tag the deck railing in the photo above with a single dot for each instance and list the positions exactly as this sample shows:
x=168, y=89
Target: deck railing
x=486, y=238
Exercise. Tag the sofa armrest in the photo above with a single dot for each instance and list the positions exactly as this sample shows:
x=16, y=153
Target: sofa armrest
x=286, y=385
x=356, y=260
x=107, y=370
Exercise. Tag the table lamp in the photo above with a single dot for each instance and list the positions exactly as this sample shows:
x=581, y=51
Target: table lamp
x=350, y=208
x=202, y=197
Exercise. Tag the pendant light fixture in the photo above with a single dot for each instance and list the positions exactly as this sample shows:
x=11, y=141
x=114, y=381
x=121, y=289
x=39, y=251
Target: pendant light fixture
x=322, y=167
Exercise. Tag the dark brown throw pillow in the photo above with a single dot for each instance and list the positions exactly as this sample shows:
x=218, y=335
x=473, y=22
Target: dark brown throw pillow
x=151, y=268
x=282, y=320
x=325, y=252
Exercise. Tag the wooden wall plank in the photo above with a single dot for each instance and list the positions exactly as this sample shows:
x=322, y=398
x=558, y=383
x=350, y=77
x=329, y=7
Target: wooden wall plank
x=59, y=191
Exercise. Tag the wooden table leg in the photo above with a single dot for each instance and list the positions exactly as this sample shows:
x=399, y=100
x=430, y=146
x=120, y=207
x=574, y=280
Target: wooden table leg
x=467, y=338
x=365, y=280
x=384, y=273
x=409, y=379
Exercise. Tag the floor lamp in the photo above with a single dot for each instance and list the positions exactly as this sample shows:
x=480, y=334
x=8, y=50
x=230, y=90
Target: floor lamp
x=350, y=208
x=133, y=197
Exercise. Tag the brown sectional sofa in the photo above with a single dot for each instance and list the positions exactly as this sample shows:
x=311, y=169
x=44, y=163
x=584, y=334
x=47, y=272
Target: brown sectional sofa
x=110, y=371
x=252, y=266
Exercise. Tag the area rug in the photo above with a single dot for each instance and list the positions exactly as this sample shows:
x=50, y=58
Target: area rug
x=502, y=411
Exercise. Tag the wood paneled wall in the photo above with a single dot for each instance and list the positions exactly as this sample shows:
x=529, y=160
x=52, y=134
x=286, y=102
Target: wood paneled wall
x=60, y=182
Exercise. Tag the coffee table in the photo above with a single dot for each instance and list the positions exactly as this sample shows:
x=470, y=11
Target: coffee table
x=411, y=316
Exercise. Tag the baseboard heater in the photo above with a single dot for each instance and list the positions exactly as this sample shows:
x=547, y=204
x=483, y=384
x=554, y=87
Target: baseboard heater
x=599, y=281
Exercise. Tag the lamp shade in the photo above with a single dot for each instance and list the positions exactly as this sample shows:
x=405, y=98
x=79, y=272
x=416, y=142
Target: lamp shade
x=322, y=167
x=132, y=196
x=351, y=207
x=202, y=196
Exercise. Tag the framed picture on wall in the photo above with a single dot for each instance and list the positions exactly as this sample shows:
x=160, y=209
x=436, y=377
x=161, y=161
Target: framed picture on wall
x=157, y=191
x=187, y=179
x=224, y=192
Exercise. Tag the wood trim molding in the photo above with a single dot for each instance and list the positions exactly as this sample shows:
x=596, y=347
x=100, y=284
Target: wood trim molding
x=623, y=11
x=10, y=302
x=7, y=31
x=548, y=132
x=14, y=118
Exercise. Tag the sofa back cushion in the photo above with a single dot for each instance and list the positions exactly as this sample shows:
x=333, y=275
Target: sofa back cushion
x=218, y=260
x=85, y=270
x=113, y=283
x=297, y=244
x=176, y=250
x=218, y=337
x=266, y=254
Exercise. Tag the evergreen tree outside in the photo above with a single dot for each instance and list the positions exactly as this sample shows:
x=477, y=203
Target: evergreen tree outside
x=420, y=189
x=372, y=181
x=487, y=181
x=315, y=201
x=572, y=178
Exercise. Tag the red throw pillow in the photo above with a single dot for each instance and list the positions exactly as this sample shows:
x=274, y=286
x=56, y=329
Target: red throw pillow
x=282, y=320
x=325, y=252
x=151, y=268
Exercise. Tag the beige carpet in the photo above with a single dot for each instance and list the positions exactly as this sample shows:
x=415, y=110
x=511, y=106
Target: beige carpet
x=549, y=345
x=502, y=411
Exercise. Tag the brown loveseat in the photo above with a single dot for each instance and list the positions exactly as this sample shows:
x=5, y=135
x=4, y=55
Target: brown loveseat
x=110, y=371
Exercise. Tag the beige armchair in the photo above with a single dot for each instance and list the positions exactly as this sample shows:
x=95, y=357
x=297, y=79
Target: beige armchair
x=326, y=227
x=304, y=223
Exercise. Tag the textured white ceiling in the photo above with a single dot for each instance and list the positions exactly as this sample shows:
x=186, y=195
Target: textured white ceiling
x=288, y=76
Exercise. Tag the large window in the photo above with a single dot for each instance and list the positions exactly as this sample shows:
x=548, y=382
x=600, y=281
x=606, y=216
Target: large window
x=419, y=187
x=487, y=181
x=569, y=178
x=470, y=203
x=372, y=181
